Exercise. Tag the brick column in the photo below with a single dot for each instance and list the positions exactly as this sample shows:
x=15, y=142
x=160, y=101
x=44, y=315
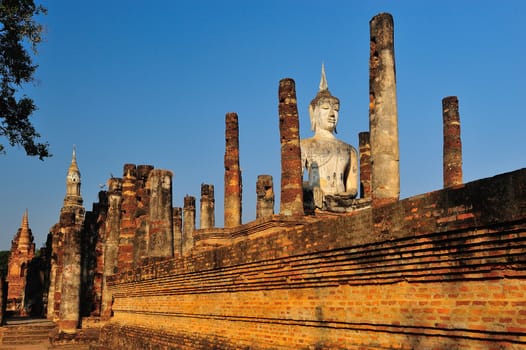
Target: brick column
x=177, y=213
x=101, y=212
x=188, y=223
x=160, y=231
x=233, y=180
x=127, y=225
x=111, y=241
x=143, y=171
x=55, y=274
x=452, y=144
x=207, y=218
x=365, y=165
x=383, y=114
x=291, y=174
x=265, y=196
x=69, y=315
x=142, y=214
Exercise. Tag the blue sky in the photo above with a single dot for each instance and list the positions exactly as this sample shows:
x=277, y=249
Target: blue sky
x=150, y=82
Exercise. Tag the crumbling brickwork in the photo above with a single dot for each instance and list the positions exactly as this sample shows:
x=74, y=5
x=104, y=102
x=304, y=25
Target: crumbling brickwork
x=127, y=222
x=69, y=307
x=92, y=255
x=452, y=148
x=446, y=270
x=111, y=241
x=178, y=230
x=55, y=273
x=291, y=171
x=383, y=112
x=160, y=225
x=64, y=295
x=21, y=254
x=142, y=214
x=131, y=223
x=207, y=217
x=188, y=223
x=233, y=184
x=365, y=165
x=265, y=196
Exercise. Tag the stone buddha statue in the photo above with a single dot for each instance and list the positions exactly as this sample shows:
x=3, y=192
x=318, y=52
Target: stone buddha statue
x=331, y=164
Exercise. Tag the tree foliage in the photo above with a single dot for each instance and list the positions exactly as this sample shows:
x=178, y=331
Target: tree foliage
x=19, y=31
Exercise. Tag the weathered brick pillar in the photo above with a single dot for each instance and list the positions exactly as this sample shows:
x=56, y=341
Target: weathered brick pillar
x=50, y=307
x=161, y=224
x=143, y=172
x=452, y=143
x=102, y=216
x=55, y=274
x=142, y=214
x=69, y=315
x=111, y=241
x=383, y=113
x=365, y=165
x=177, y=214
x=291, y=171
x=127, y=225
x=52, y=276
x=265, y=196
x=188, y=223
x=233, y=181
x=207, y=219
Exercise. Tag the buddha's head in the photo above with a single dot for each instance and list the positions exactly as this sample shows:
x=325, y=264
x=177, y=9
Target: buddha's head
x=324, y=108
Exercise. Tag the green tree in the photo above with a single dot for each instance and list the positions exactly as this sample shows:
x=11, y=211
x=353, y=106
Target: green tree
x=19, y=31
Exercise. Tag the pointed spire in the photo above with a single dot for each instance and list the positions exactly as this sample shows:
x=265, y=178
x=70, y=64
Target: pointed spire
x=24, y=238
x=323, y=82
x=25, y=221
x=73, y=167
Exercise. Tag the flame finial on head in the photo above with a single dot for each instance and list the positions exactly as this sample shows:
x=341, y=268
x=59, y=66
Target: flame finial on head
x=323, y=80
x=322, y=94
x=324, y=89
x=74, y=155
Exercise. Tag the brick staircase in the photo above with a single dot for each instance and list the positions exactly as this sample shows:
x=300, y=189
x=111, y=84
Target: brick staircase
x=34, y=334
x=21, y=334
x=83, y=339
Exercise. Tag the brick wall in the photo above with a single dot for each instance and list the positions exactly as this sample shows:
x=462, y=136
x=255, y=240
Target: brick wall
x=444, y=270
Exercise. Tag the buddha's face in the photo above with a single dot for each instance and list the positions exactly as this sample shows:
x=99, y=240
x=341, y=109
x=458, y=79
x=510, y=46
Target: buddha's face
x=326, y=114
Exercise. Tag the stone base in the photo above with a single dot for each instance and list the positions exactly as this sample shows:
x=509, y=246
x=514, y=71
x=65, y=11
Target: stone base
x=67, y=326
x=334, y=203
x=344, y=203
x=79, y=339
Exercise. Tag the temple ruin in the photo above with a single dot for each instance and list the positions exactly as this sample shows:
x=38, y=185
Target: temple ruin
x=20, y=257
x=352, y=268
